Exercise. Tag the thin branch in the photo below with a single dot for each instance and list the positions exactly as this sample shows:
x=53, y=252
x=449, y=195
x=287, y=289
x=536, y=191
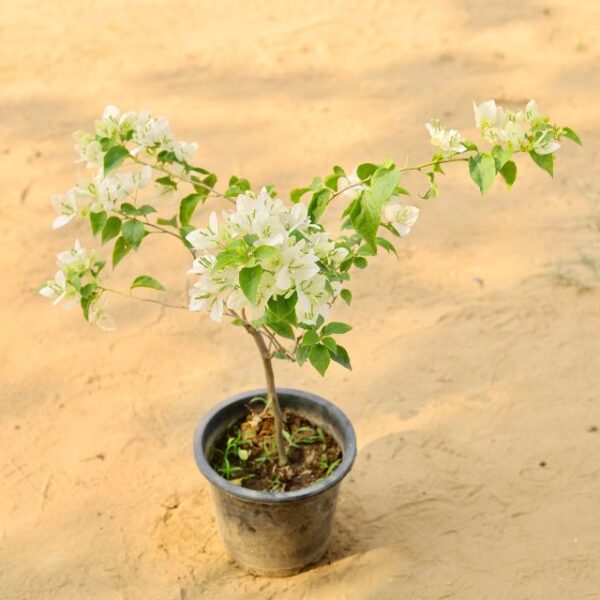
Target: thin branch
x=150, y=300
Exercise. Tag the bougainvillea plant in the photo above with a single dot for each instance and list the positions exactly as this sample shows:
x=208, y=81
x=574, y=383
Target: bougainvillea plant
x=267, y=265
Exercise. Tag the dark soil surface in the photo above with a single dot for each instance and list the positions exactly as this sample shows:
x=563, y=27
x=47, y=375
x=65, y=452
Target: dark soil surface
x=246, y=454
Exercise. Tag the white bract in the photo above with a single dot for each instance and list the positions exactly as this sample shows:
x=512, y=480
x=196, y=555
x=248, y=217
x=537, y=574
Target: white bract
x=400, y=216
x=448, y=140
x=522, y=130
x=291, y=255
x=78, y=269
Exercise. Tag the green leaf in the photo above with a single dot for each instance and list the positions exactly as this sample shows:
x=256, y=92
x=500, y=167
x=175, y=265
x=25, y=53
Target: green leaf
x=482, y=169
x=544, y=162
x=228, y=258
x=282, y=309
x=267, y=256
x=341, y=357
x=319, y=358
x=147, y=282
x=145, y=209
x=297, y=193
x=310, y=338
x=120, y=250
x=188, y=205
x=87, y=290
x=129, y=209
x=501, y=156
x=366, y=214
x=97, y=221
x=571, y=135
x=365, y=170
x=172, y=222
x=346, y=296
x=318, y=204
x=330, y=344
x=360, y=262
x=249, y=280
x=335, y=327
x=133, y=232
x=386, y=245
x=302, y=353
x=85, y=306
x=114, y=158
x=283, y=329
x=331, y=181
x=111, y=229
x=509, y=172
x=383, y=184
x=166, y=181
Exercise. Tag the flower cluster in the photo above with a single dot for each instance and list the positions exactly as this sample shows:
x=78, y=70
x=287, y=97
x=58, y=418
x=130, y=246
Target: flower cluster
x=99, y=193
x=140, y=132
x=140, y=136
x=522, y=130
x=76, y=282
x=264, y=250
x=448, y=140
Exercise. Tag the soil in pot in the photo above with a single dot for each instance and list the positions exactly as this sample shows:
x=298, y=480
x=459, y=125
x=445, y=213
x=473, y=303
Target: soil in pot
x=245, y=453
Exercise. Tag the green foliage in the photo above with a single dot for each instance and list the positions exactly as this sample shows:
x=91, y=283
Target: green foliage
x=482, y=168
x=167, y=181
x=188, y=205
x=133, y=233
x=318, y=204
x=544, y=162
x=97, y=221
x=366, y=213
x=147, y=282
x=509, y=172
x=336, y=328
x=114, y=158
x=111, y=229
x=132, y=211
x=120, y=250
x=571, y=135
x=319, y=358
x=249, y=279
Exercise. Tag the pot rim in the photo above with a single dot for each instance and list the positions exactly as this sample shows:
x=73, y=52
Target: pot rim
x=340, y=421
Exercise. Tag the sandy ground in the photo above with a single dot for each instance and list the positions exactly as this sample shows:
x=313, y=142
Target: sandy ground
x=475, y=393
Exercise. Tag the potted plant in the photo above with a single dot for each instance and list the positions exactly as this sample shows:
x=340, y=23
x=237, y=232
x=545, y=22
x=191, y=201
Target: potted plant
x=275, y=457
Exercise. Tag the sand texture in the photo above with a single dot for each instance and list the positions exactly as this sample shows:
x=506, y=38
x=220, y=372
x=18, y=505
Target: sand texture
x=476, y=385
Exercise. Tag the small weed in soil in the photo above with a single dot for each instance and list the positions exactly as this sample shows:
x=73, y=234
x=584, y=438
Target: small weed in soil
x=245, y=454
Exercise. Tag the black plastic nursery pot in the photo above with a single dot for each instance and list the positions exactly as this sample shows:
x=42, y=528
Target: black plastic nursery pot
x=276, y=534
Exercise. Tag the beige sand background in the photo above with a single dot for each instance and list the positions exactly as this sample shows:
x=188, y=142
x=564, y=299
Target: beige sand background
x=476, y=353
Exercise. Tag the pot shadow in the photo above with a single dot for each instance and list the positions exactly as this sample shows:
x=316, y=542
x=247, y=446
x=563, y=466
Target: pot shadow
x=402, y=495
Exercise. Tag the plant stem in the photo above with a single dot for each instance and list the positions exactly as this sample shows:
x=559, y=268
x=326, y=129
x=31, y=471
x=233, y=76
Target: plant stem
x=271, y=390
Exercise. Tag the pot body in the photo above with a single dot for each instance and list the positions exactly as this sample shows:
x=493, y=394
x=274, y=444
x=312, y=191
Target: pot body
x=276, y=533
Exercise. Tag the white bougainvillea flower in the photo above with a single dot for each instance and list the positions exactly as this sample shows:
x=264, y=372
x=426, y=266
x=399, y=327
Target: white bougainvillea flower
x=545, y=143
x=55, y=289
x=400, y=216
x=290, y=250
x=100, y=317
x=531, y=111
x=66, y=207
x=489, y=116
x=78, y=268
x=448, y=140
x=513, y=132
x=354, y=185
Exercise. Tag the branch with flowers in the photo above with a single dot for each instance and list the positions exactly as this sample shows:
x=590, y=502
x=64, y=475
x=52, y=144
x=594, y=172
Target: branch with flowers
x=268, y=266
